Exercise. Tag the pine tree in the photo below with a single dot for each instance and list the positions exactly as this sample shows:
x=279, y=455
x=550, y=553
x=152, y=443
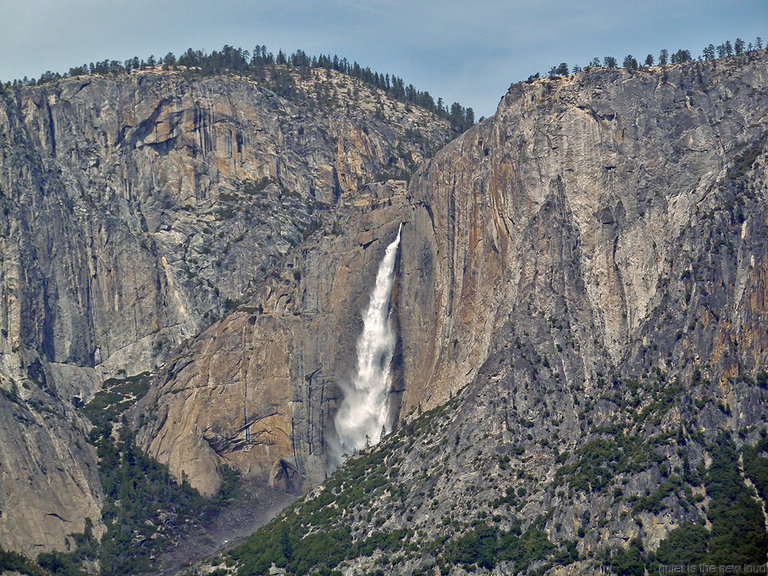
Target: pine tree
x=681, y=56
x=457, y=115
x=470, y=118
x=721, y=51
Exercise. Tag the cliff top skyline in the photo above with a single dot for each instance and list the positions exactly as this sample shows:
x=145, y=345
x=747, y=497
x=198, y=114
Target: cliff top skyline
x=457, y=53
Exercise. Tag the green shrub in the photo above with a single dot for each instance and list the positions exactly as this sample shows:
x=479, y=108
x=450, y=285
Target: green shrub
x=738, y=528
x=686, y=545
x=115, y=397
x=629, y=562
x=15, y=562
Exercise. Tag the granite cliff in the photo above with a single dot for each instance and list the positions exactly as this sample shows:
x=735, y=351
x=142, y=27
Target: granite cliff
x=580, y=301
x=137, y=209
x=579, y=215
x=581, y=298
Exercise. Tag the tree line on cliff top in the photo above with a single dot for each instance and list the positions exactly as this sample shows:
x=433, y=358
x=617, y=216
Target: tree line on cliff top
x=710, y=52
x=257, y=62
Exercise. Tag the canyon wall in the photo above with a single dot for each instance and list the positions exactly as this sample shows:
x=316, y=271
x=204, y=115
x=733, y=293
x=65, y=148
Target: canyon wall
x=599, y=228
x=136, y=210
x=582, y=217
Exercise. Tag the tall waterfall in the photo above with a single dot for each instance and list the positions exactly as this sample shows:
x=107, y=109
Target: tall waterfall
x=363, y=413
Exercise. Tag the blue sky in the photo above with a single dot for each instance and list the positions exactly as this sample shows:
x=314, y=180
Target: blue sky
x=461, y=51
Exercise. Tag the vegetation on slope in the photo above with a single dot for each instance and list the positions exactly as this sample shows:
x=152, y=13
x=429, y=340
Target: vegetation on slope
x=340, y=524
x=18, y=563
x=735, y=534
x=319, y=535
x=146, y=510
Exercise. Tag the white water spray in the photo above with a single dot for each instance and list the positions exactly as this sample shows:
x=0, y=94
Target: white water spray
x=363, y=413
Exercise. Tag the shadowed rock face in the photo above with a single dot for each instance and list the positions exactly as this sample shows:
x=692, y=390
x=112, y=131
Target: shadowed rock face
x=136, y=209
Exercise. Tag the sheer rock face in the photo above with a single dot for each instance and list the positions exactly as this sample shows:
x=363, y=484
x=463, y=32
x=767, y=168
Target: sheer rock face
x=600, y=203
x=49, y=482
x=596, y=254
x=587, y=266
x=138, y=208
x=160, y=196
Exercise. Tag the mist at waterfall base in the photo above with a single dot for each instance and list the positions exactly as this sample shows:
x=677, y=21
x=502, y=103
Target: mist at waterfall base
x=364, y=412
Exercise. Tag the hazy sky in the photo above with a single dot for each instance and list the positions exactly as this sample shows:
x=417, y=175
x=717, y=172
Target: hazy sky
x=465, y=51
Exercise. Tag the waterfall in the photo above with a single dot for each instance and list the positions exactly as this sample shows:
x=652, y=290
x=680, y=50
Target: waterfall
x=363, y=413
